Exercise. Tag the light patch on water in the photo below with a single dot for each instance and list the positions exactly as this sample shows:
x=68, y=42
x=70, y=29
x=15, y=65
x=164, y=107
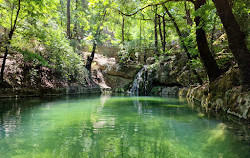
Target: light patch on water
x=201, y=114
x=217, y=134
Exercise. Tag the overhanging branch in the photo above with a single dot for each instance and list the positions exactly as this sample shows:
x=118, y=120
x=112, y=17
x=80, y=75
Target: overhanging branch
x=150, y=5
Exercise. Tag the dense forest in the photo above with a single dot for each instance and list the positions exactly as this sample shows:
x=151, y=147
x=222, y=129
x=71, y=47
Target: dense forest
x=46, y=38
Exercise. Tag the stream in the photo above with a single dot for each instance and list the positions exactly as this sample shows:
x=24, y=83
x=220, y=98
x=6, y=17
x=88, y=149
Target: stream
x=115, y=126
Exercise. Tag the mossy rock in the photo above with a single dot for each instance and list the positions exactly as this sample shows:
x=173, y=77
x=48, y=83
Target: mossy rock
x=157, y=90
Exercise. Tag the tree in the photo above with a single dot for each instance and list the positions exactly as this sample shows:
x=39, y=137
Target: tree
x=188, y=16
x=182, y=42
x=100, y=17
x=156, y=34
x=164, y=33
x=161, y=33
x=236, y=39
x=68, y=19
x=123, y=27
x=206, y=56
x=11, y=33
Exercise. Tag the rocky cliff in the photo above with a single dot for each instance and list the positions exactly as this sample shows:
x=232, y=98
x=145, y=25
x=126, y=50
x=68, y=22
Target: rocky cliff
x=224, y=94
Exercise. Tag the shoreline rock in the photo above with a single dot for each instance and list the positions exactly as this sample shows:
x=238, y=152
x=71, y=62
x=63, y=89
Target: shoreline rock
x=72, y=90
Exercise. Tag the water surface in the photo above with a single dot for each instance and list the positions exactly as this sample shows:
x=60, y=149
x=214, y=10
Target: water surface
x=94, y=126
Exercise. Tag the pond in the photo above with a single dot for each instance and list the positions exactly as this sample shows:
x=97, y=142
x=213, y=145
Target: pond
x=115, y=126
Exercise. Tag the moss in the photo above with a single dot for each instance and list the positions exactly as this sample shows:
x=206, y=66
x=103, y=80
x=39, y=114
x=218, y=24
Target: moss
x=183, y=92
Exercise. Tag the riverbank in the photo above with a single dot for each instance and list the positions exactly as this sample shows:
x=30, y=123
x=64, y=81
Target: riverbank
x=27, y=92
x=224, y=94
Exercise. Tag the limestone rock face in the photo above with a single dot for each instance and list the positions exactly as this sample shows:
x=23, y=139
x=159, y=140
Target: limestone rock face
x=110, y=74
x=157, y=90
x=168, y=76
x=170, y=91
x=224, y=94
x=117, y=70
x=174, y=71
x=116, y=82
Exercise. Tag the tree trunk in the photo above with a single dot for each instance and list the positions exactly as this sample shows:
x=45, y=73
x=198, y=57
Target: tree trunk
x=160, y=31
x=68, y=19
x=156, y=35
x=183, y=43
x=236, y=40
x=212, y=35
x=164, y=34
x=13, y=28
x=76, y=22
x=3, y=64
x=178, y=32
x=206, y=56
x=123, y=25
x=188, y=16
x=145, y=56
x=91, y=58
x=62, y=8
x=140, y=32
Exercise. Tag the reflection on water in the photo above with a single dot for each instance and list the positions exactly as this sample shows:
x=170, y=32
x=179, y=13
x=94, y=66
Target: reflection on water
x=94, y=126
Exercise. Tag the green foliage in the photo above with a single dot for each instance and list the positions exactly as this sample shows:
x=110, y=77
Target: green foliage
x=40, y=38
x=124, y=55
x=34, y=58
x=41, y=30
x=127, y=51
x=196, y=63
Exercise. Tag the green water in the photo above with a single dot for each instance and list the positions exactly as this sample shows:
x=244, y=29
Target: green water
x=105, y=126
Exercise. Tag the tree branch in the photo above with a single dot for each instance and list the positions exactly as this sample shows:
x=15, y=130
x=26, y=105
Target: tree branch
x=150, y=5
x=14, y=26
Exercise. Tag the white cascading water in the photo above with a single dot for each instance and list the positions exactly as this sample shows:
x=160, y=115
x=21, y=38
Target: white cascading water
x=142, y=82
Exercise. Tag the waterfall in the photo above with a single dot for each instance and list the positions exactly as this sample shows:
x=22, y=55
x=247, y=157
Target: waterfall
x=142, y=84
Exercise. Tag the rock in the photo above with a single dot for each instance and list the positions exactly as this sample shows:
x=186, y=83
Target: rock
x=173, y=70
x=157, y=90
x=116, y=82
x=183, y=92
x=170, y=91
x=150, y=60
x=121, y=71
x=223, y=94
x=5, y=84
x=164, y=76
